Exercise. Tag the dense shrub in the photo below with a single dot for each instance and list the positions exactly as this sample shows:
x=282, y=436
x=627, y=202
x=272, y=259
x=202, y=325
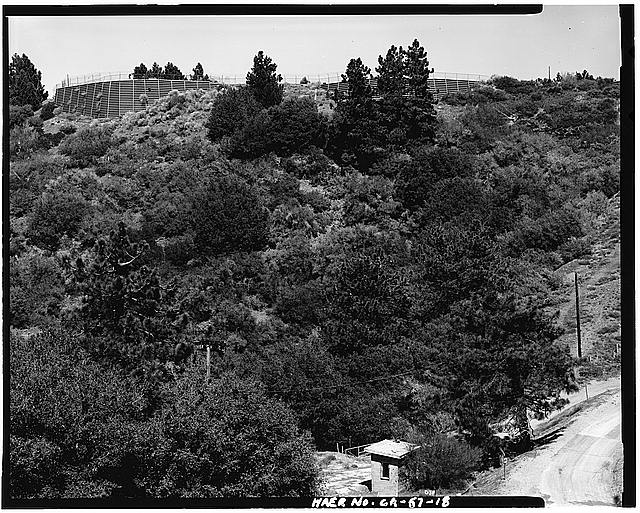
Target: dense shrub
x=54, y=214
x=549, y=231
x=228, y=216
x=481, y=94
x=36, y=290
x=81, y=430
x=230, y=112
x=290, y=127
x=24, y=140
x=47, y=111
x=87, y=145
x=440, y=462
x=513, y=85
x=28, y=178
x=19, y=114
x=416, y=178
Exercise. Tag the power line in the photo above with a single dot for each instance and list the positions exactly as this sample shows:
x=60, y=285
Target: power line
x=381, y=378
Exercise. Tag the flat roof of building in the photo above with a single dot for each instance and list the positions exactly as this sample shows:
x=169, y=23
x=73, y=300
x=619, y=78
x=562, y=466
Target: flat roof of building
x=392, y=448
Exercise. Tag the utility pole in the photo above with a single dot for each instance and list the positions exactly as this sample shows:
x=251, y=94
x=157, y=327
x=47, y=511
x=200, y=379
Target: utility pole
x=575, y=276
x=549, y=73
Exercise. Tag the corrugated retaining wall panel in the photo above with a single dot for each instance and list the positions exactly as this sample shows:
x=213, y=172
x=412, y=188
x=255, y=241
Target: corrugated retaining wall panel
x=100, y=106
x=114, y=98
x=138, y=90
x=73, y=98
x=126, y=97
x=81, y=101
x=91, y=98
x=164, y=87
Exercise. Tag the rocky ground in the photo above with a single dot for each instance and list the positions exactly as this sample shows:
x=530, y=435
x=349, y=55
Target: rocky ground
x=345, y=475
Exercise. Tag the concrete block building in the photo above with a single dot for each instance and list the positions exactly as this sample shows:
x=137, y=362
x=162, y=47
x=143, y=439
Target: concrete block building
x=387, y=457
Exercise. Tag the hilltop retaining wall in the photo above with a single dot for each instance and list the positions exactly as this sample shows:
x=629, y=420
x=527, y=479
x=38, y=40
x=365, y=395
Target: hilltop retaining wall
x=114, y=98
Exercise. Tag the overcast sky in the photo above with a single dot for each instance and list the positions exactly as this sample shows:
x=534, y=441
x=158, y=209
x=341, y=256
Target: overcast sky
x=567, y=38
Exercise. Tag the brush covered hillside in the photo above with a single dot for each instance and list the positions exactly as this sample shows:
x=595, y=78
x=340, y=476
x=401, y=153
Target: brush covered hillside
x=388, y=271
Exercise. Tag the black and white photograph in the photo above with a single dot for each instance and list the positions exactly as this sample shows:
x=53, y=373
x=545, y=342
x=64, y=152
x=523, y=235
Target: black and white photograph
x=318, y=255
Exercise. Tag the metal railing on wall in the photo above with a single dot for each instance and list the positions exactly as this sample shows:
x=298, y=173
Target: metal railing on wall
x=234, y=79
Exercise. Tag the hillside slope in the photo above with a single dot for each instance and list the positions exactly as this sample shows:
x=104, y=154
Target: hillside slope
x=599, y=296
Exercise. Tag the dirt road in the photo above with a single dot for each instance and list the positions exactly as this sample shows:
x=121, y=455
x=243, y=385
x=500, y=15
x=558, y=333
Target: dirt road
x=576, y=466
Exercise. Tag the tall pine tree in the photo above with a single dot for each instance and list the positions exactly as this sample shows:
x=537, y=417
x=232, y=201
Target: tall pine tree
x=198, y=73
x=172, y=72
x=140, y=71
x=357, y=77
x=25, y=83
x=155, y=71
x=391, y=71
x=417, y=70
x=263, y=82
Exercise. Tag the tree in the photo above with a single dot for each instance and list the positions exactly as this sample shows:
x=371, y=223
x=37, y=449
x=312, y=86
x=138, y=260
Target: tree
x=123, y=309
x=365, y=131
x=355, y=137
x=417, y=70
x=391, y=71
x=172, y=72
x=263, y=82
x=80, y=429
x=229, y=439
x=357, y=77
x=73, y=421
x=140, y=71
x=155, y=71
x=366, y=298
x=481, y=310
x=25, y=83
x=403, y=72
x=198, y=73
x=585, y=75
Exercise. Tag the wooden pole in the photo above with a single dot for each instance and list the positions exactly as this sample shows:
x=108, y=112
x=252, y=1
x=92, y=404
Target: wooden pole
x=575, y=275
x=208, y=363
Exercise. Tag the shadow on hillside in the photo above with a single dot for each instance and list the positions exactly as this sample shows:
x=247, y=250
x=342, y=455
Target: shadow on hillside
x=548, y=437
